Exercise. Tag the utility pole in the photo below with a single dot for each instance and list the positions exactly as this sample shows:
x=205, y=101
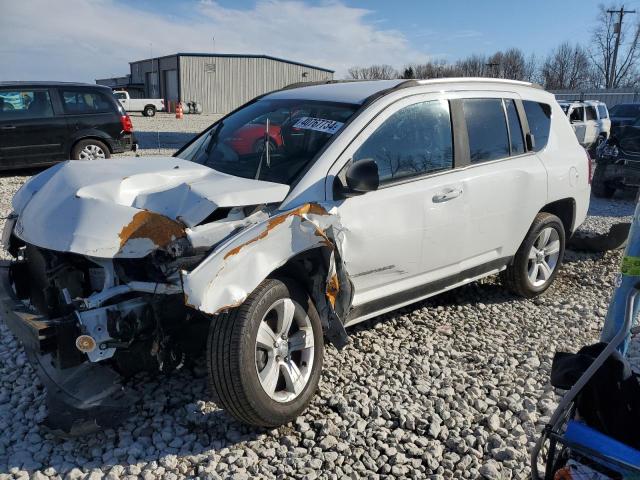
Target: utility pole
x=617, y=29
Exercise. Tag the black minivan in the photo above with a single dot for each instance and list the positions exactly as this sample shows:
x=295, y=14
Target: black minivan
x=45, y=122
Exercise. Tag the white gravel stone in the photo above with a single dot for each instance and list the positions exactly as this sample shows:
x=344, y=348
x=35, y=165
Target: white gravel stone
x=454, y=387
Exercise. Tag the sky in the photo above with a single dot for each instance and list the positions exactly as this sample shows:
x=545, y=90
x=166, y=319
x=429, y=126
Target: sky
x=81, y=40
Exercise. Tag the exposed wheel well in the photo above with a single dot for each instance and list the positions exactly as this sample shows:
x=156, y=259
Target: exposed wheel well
x=303, y=267
x=90, y=137
x=565, y=210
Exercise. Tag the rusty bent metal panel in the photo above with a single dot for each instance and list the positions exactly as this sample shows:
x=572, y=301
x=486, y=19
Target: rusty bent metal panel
x=226, y=278
x=148, y=226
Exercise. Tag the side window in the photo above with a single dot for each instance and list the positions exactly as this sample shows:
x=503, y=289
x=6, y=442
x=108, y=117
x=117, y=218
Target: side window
x=17, y=104
x=539, y=119
x=602, y=110
x=591, y=112
x=413, y=141
x=120, y=96
x=515, y=129
x=577, y=115
x=85, y=101
x=487, y=129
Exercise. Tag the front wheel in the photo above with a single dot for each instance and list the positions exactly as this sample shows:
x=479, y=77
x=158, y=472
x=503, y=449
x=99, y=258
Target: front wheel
x=265, y=357
x=538, y=259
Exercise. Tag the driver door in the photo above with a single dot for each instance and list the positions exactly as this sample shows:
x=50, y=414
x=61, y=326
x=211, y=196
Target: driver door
x=385, y=230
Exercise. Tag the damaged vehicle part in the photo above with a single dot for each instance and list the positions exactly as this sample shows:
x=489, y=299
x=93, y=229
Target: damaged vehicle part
x=302, y=212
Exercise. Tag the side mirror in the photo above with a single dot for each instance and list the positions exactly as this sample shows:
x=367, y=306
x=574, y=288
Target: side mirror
x=362, y=177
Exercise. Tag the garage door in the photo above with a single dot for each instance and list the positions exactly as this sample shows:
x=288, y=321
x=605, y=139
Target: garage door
x=171, y=84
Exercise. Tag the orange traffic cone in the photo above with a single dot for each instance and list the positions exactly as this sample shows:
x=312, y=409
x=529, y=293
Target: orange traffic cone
x=179, y=113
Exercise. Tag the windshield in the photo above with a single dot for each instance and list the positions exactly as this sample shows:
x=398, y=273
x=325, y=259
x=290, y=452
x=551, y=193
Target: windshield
x=272, y=140
x=625, y=111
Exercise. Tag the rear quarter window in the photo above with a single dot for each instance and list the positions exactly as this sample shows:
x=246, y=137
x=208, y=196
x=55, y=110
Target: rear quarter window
x=86, y=102
x=539, y=119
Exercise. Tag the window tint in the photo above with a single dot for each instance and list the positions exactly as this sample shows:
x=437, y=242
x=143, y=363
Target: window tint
x=413, y=141
x=539, y=119
x=84, y=101
x=591, y=112
x=515, y=129
x=16, y=104
x=577, y=115
x=602, y=110
x=487, y=129
x=120, y=95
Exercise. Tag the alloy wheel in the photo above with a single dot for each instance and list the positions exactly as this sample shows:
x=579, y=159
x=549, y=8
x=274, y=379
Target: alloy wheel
x=543, y=257
x=284, y=350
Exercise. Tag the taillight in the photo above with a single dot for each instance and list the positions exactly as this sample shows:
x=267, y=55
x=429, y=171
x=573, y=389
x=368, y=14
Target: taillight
x=589, y=165
x=127, y=125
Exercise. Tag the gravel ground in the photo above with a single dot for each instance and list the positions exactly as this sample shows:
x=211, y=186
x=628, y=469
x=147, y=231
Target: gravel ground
x=454, y=387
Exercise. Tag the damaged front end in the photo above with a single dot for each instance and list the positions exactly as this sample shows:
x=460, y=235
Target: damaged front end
x=141, y=297
x=88, y=323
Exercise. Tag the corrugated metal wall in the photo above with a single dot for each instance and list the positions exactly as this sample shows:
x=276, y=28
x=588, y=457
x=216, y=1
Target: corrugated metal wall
x=221, y=84
x=139, y=71
x=611, y=97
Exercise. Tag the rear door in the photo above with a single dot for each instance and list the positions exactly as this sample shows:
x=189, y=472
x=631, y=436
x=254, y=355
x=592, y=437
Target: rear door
x=31, y=133
x=576, y=117
x=504, y=184
x=591, y=124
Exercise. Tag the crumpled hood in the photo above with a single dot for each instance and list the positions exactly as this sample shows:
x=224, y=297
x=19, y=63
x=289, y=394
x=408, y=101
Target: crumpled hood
x=95, y=207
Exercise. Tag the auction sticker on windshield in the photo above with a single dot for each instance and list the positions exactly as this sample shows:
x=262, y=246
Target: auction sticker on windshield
x=318, y=124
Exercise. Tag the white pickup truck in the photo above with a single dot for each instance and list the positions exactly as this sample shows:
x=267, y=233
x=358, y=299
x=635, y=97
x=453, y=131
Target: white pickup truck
x=148, y=106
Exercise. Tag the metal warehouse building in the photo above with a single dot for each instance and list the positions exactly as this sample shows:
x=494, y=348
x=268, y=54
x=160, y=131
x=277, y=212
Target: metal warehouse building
x=219, y=82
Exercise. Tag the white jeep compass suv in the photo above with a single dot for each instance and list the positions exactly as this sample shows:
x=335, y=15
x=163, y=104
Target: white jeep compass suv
x=299, y=214
x=589, y=119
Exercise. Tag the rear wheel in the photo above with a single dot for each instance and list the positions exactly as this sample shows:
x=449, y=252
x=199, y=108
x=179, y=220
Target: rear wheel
x=599, y=186
x=90, y=149
x=149, y=111
x=265, y=357
x=538, y=259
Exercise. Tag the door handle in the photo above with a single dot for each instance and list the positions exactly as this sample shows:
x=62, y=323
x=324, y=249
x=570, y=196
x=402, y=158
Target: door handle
x=446, y=195
x=8, y=127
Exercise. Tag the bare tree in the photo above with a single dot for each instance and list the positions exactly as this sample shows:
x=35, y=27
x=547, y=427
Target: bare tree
x=627, y=66
x=472, y=66
x=373, y=72
x=566, y=67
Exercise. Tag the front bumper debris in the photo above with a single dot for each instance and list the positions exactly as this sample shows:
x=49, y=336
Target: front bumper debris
x=81, y=398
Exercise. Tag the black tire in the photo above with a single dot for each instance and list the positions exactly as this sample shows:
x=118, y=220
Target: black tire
x=149, y=111
x=80, y=149
x=599, y=186
x=516, y=277
x=232, y=357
